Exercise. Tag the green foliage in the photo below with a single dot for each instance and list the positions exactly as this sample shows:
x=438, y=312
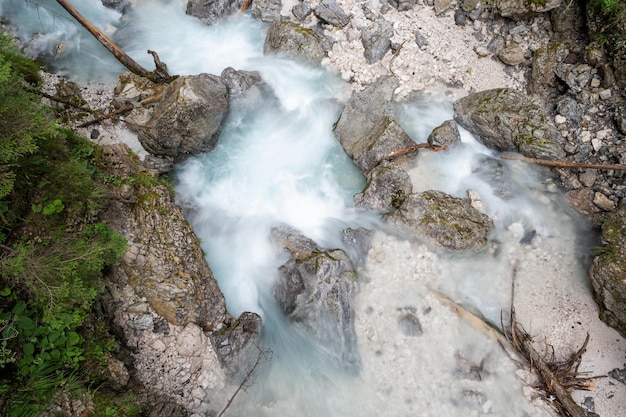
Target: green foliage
x=52, y=251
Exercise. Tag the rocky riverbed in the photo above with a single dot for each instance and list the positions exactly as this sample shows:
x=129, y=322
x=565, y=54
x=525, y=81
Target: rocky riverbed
x=442, y=48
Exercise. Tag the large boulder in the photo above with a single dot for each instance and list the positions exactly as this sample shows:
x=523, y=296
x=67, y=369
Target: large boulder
x=210, y=11
x=507, y=120
x=315, y=290
x=608, y=271
x=163, y=286
x=522, y=9
x=295, y=41
x=388, y=185
x=188, y=120
x=363, y=112
x=448, y=222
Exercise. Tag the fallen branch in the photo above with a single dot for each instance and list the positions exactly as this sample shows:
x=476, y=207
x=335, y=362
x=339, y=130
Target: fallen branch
x=557, y=378
x=563, y=164
x=245, y=5
x=157, y=76
x=414, y=148
x=124, y=109
x=394, y=56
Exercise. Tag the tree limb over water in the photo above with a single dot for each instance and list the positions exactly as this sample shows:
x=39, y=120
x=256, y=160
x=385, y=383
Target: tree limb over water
x=158, y=76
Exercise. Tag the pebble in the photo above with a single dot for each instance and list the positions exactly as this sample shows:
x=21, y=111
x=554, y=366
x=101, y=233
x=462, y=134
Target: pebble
x=603, y=202
x=558, y=119
x=606, y=94
x=596, y=143
x=585, y=136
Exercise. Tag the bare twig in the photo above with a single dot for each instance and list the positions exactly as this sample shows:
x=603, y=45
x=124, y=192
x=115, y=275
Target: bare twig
x=394, y=56
x=124, y=109
x=563, y=164
x=413, y=148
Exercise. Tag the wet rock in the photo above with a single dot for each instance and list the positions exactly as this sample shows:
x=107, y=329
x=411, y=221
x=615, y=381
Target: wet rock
x=446, y=134
x=522, y=9
x=507, y=120
x=236, y=345
x=376, y=39
x=403, y=5
x=608, y=271
x=240, y=81
x=512, y=55
x=357, y=243
x=388, y=185
x=295, y=41
x=448, y=222
x=328, y=11
x=266, y=10
x=315, y=289
x=363, y=111
x=118, y=5
x=302, y=10
x=212, y=11
x=188, y=120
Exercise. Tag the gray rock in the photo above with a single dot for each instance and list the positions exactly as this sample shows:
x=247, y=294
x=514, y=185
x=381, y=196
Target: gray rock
x=569, y=108
x=240, y=81
x=409, y=324
x=118, y=5
x=301, y=11
x=441, y=6
x=328, y=11
x=363, y=111
x=210, y=11
x=163, y=261
x=609, y=269
x=469, y=5
x=449, y=222
x=376, y=39
x=420, y=40
x=446, y=134
x=357, y=242
x=266, y=10
x=388, y=185
x=403, y=5
x=315, y=289
x=522, y=9
x=236, y=346
x=295, y=41
x=512, y=55
x=460, y=18
x=189, y=118
x=384, y=139
x=509, y=121
x=545, y=61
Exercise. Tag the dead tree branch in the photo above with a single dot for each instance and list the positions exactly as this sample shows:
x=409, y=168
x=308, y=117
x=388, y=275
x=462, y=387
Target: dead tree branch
x=123, y=109
x=414, y=148
x=157, y=76
x=563, y=164
x=245, y=5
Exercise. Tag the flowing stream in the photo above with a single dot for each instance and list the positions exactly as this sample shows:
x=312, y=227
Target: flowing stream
x=277, y=162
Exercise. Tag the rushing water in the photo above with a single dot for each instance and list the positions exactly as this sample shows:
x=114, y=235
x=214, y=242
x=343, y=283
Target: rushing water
x=277, y=162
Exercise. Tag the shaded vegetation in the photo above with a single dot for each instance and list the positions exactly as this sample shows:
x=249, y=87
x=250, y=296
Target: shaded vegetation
x=52, y=254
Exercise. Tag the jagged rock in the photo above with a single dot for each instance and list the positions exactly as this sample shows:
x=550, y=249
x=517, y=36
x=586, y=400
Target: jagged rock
x=210, y=11
x=302, y=10
x=507, y=120
x=118, y=5
x=420, y=40
x=357, y=243
x=315, y=290
x=446, y=134
x=235, y=346
x=448, y=222
x=328, y=11
x=163, y=261
x=363, y=111
x=188, y=120
x=295, y=41
x=376, y=39
x=543, y=80
x=512, y=55
x=388, y=185
x=608, y=271
x=403, y=5
x=442, y=6
x=522, y=9
x=266, y=10
x=385, y=138
x=240, y=81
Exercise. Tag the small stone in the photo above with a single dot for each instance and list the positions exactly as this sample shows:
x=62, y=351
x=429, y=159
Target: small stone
x=477, y=25
x=512, y=55
x=585, y=136
x=420, y=40
x=481, y=51
x=603, y=202
x=159, y=346
x=588, y=177
x=595, y=83
x=604, y=133
x=596, y=143
x=559, y=120
x=460, y=19
x=606, y=94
